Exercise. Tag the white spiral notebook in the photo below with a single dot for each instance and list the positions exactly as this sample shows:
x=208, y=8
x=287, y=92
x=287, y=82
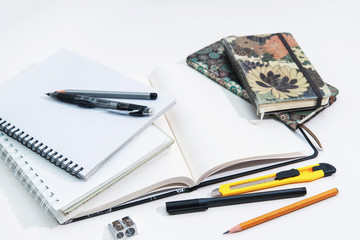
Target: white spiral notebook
x=77, y=140
x=60, y=194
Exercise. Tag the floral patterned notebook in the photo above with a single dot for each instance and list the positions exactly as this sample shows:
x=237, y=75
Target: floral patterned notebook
x=213, y=63
x=284, y=78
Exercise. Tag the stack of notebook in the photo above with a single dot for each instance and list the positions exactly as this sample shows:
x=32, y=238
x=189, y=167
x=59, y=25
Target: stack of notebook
x=269, y=70
x=64, y=154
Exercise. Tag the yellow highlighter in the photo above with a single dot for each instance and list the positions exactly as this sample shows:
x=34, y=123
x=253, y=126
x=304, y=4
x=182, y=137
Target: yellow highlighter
x=305, y=174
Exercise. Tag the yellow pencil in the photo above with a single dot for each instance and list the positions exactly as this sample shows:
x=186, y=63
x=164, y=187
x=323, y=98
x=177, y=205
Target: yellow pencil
x=282, y=211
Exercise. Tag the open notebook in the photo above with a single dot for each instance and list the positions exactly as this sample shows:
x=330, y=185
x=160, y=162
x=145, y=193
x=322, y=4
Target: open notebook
x=77, y=140
x=215, y=139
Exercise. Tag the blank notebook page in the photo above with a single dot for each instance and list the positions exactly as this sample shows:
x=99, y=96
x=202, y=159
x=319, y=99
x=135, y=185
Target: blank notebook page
x=85, y=136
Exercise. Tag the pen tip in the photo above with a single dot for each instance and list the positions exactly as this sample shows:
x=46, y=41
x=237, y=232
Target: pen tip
x=226, y=232
x=47, y=94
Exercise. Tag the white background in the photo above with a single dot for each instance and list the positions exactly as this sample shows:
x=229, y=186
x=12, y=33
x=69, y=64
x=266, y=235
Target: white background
x=134, y=37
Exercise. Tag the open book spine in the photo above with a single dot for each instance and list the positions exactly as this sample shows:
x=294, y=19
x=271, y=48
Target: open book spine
x=27, y=176
x=40, y=148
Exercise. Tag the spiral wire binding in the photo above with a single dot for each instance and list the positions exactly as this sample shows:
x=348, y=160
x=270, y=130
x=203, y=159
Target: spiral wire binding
x=21, y=169
x=40, y=148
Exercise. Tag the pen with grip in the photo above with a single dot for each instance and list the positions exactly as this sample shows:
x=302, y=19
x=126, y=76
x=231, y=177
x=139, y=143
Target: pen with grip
x=91, y=102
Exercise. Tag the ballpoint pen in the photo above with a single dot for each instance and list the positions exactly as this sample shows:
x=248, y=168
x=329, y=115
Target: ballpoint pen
x=91, y=102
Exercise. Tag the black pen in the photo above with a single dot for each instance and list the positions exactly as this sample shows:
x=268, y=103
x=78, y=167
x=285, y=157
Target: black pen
x=91, y=102
x=202, y=204
x=111, y=94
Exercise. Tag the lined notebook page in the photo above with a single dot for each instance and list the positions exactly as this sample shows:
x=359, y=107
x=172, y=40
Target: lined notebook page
x=85, y=136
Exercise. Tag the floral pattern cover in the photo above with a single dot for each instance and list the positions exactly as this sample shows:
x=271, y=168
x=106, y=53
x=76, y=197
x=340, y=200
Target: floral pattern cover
x=276, y=78
x=213, y=63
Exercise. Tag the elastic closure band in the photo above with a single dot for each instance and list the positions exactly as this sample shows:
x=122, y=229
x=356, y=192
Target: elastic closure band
x=313, y=85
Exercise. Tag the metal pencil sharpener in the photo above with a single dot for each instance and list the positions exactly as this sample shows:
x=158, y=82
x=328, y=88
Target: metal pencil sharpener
x=123, y=228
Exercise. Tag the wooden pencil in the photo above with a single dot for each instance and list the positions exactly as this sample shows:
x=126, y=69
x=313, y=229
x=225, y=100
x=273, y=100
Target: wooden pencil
x=282, y=211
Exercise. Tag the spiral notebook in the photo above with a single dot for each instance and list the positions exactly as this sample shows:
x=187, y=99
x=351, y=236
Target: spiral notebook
x=75, y=139
x=63, y=196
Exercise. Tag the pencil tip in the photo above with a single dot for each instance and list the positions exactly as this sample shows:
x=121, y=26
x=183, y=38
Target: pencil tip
x=226, y=232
